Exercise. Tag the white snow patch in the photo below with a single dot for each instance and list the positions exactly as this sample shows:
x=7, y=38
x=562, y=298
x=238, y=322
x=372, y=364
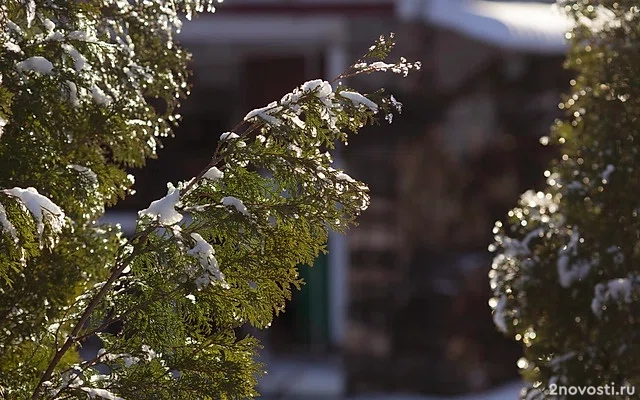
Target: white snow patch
x=557, y=360
x=72, y=93
x=229, y=136
x=205, y=254
x=164, y=208
x=79, y=61
x=341, y=176
x=358, y=99
x=321, y=88
x=266, y=114
x=30, y=8
x=3, y=123
x=99, y=96
x=102, y=393
x=48, y=25
x=235, y=202
x=12, y=47
x=39, y=206
x=568, y=274
x=618, y=290
x=499, y=314
x=6, y=225
x=213, y=174
x=87, y=172
x=513, y=247
x=36, y=64
x=607, y=173
x=575, y=185
x=295, y=149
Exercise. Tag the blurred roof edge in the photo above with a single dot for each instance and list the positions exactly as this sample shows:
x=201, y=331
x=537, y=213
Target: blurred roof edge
x=534, y=27
x=342, y=7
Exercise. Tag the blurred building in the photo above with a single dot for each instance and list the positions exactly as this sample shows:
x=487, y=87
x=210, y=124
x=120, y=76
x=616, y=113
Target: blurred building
x=401, y=302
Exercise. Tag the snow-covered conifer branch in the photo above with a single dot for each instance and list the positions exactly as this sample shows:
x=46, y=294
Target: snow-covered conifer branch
x=219, y=251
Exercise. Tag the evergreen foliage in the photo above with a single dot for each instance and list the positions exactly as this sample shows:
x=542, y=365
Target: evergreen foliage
x=219, y=251
x=566, y=275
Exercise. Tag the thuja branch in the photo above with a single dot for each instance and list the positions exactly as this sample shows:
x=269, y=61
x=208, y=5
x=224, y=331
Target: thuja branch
x=104, y=290
x=73, y=336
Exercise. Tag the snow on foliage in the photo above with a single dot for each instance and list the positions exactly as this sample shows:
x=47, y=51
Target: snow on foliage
x=102, y=393
x=109, y=58
x=569, y=273
x=616, y=290
x=230, y=201
x=607, y=173
x=99, y=96
x=79, y=61
x=36, y=64
x=213, y=174
x=41, y=207
x=341, y=176
x=3, y=123
x=6, y=225
x=228, y=136
x=265, y=113
x=498, y=313
x=358, y=99
x=86, y=172
x=205, y=254
x=164, y=209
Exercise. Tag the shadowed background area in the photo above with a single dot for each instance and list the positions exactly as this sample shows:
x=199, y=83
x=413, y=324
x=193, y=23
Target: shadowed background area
x=400, y=303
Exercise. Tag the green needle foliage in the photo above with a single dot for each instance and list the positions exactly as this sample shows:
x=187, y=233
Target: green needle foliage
x=220, y=250
x=566, y=275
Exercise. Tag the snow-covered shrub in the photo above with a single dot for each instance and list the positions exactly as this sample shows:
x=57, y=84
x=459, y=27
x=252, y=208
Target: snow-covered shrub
x=566, y=275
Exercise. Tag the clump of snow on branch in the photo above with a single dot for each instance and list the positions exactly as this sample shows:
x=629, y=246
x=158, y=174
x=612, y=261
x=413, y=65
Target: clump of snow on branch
x=99, y=96
x=289, y=106
x=229, y=136
x=213, y=174
x=265, y=113
x=499, y=311
x=6, y=225
x=36, y=64
x=607, y=173
x=569, y=273
x=86, y=172
x=41, y=207
x=205, y=254
x=127, y=359
x=358, y=99
x=616, y=290
x=230, y=201
x=3, y=123
x=341, y=176
x=164, y=209
x=102, y=393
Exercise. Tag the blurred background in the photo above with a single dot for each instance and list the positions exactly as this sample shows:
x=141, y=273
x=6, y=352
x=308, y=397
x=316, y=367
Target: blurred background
x=400, y=305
